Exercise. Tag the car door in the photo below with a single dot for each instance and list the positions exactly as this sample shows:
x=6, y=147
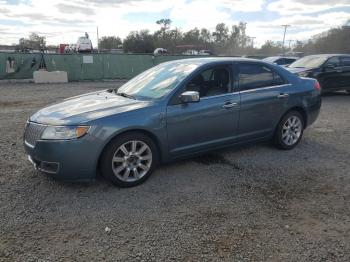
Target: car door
x=211, y=122
x=345, y=64
x=331, y=75
x=264, y=97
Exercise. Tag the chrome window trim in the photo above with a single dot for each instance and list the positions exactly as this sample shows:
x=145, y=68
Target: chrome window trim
x=263, y=88
x=244, y=91
x=216, y=96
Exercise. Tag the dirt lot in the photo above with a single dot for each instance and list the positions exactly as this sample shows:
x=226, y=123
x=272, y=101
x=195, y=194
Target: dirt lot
x=252, y=203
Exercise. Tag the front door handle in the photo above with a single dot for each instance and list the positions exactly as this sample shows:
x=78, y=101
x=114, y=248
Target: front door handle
x=338, y=69
x=228, y=105
x=282, y=95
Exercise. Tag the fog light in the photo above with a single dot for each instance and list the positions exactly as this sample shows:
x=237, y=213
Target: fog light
x=49, y=167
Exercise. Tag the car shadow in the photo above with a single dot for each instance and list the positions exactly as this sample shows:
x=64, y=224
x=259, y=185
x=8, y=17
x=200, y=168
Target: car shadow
x=335, y=93
x=229, y=163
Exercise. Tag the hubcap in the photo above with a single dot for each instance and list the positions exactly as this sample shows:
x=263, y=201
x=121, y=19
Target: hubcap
x=132, y=161
x=291, y=131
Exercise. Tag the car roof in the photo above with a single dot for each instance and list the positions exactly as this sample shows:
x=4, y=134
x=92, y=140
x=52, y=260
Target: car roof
x=208, y=60
x=279, y=57
x=327, y=55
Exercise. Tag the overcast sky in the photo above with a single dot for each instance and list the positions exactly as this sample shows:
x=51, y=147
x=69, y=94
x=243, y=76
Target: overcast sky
x=64, y=21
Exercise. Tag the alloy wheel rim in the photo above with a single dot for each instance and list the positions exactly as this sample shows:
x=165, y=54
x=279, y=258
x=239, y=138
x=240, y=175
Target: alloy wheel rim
x=132, y=161
x=291, y=130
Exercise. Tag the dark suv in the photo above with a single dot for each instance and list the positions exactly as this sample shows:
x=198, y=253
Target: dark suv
x=331, y=71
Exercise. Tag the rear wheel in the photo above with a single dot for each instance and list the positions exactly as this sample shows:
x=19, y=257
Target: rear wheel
x=289, y=131
x=129, y=159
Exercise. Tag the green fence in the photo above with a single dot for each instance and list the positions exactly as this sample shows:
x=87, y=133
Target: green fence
x=81, y=66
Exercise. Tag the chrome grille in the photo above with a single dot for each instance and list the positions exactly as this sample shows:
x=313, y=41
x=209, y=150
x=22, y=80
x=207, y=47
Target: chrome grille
x=33, y=133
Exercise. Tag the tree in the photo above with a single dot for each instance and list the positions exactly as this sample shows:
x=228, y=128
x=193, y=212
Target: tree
x=139, y=42
x=34, y=42
x=243, y=38
x=336, y=40
x=110, y=42
x=192, y=37
x=271, y=48
x=164, y=23
x=220, y=36
x=205, y=36
x=221, y=33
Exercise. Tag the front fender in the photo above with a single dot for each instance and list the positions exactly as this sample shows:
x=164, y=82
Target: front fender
x=148, y=120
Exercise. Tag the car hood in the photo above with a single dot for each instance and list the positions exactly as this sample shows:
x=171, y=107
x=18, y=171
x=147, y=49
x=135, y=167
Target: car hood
x=85, y=108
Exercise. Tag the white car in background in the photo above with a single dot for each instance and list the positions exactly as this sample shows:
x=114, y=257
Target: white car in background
x=160, y=51
x=84, y=45
x=191, y=52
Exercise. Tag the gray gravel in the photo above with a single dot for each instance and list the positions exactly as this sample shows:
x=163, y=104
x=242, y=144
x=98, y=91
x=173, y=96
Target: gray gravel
x=251, y=203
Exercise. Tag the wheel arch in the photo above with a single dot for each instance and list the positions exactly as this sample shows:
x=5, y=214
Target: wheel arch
x=300, y=110
x=136, y=130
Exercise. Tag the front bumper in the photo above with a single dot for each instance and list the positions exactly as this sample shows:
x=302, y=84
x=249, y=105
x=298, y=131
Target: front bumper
x=66, y=159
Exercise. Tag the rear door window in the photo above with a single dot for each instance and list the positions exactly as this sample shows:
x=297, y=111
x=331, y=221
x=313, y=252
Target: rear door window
x=345, y=61
x=253, y=76
x=334, y=61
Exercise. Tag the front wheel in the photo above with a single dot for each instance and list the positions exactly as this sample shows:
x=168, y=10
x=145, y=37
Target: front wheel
x=129, y=159
x=289, y=131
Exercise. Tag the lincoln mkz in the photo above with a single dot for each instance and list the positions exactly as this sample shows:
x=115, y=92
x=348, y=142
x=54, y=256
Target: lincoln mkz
x=174, y=110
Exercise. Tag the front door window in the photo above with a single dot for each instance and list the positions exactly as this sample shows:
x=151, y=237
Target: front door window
x=211, y=82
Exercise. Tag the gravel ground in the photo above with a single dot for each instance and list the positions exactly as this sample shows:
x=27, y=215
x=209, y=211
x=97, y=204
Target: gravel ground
x=251, y=203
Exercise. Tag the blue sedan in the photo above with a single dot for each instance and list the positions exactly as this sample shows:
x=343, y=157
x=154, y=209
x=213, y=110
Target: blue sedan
x=174, y=110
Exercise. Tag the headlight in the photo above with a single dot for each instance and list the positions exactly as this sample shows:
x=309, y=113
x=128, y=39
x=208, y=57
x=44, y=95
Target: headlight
x=64, y=132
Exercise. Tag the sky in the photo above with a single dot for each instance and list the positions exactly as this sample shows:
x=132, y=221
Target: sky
x=64, y=21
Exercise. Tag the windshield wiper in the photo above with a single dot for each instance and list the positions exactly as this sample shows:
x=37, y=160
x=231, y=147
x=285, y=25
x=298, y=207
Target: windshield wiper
x=125, y=95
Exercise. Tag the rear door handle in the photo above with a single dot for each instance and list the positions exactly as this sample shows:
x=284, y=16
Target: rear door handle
x=228, y=105
x=283, y=95
x=338, y=69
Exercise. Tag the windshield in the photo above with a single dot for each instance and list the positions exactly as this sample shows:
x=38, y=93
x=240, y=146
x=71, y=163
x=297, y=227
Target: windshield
x=309, y=62
x=159, y=80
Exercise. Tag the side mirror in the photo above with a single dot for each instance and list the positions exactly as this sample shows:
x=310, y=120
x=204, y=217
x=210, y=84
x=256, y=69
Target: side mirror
x=189, y=97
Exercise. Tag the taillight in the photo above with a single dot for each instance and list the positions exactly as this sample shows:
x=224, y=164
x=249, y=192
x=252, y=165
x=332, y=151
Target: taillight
x=317, y=86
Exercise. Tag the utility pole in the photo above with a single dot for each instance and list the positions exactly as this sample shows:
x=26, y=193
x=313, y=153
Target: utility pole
x=98, y=41
x=284, y=36
x=253, y=38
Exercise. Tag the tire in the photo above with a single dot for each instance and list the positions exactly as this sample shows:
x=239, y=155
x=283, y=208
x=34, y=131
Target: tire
x=289, y=130
x=129, y=159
